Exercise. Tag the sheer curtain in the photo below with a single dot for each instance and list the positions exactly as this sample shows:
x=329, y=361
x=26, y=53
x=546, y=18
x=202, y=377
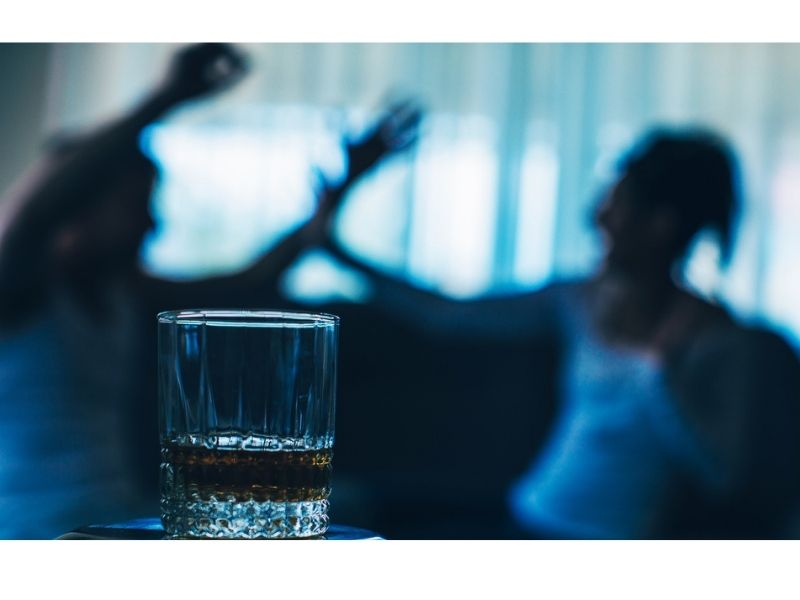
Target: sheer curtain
x=518, y=142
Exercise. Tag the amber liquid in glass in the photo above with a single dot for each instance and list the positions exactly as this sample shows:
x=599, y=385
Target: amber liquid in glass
x=278, y=489
x=260, y=475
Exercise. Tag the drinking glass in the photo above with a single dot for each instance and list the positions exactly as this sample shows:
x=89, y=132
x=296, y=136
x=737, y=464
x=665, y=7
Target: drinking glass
x=247, y=401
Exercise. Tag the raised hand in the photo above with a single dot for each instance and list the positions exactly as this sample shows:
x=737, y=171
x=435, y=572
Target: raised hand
x=203, y=69
x=396, y=130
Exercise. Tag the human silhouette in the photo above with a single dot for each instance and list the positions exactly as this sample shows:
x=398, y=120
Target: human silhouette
x=674, y=419
x=78, y=413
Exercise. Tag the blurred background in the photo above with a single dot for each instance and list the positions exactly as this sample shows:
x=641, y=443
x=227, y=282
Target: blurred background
x=517, y=143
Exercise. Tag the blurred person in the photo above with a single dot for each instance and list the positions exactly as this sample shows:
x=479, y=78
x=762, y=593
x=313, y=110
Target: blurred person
x=78, y=420
x=674, y=419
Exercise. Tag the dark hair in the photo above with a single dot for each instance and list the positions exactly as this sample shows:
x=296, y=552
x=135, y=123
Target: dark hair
x=695, y=172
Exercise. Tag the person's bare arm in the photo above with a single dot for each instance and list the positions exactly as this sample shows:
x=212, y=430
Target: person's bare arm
x=257, y=285
x=495, y=317
x=499, y=317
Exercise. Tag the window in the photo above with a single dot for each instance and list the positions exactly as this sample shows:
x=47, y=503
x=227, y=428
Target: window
x=497, y=196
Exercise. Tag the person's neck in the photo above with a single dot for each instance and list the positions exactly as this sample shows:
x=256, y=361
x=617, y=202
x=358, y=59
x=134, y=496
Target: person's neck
x=651, y=288
x=630, y=309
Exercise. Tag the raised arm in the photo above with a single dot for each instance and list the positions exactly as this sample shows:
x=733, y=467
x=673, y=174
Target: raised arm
x=500, y=317
x=508, y=317
x=255, y=286
x=258, y=284
x=63, y=184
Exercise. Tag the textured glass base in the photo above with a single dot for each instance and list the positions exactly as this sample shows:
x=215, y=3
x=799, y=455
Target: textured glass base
x=223, y=519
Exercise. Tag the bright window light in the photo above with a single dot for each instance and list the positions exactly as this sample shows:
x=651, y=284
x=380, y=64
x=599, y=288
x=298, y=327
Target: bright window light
x=536, y=215
x=455, y=204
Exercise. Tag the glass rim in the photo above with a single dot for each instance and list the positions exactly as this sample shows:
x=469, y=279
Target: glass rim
x=246, y=317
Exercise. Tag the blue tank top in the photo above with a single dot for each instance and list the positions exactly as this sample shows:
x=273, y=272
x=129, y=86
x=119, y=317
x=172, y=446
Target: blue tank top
x=617, y=445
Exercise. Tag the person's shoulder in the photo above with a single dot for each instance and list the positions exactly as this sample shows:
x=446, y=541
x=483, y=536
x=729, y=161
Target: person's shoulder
x=755, y=342
x=733, y=368
x=723, y=351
